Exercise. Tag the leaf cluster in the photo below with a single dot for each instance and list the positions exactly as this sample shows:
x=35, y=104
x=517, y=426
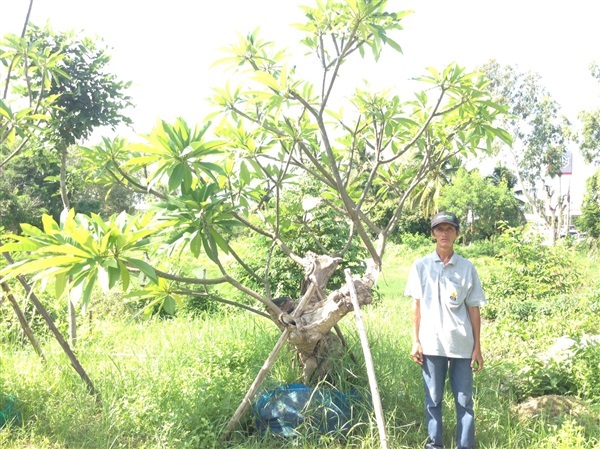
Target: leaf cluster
x=87, y=95
x=81, y=252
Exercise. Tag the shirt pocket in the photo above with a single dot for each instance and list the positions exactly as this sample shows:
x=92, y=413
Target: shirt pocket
x=454, y=294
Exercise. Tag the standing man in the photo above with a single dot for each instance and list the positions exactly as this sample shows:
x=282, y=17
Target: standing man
x=446, y=294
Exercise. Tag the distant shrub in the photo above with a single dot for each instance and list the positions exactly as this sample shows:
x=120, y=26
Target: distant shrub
x=529, y=272
x=415, y=241
x=575, y=374
x=481, y=248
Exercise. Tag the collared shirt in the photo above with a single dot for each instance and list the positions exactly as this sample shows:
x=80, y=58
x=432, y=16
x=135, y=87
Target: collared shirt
x=445, y=293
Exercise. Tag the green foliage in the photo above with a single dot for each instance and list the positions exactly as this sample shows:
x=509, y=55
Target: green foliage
x=326, y=23
x=24, y=105
x=410, y=224
x=589, y=221
x=540, y=133
x=95, y=199
x=530, y=272
x=87, y=96
x=177, y=153
x=573, y=373
x=415, y=241
x=484, y=208
x=570, y=434
x=161, y=296
x=591, y=135
x=315, y=228
x=590, y=132
x=176, y=383
x=82, y=251
x=427, y=193
x=272, y=129
x=70, y=93
x=25, y=193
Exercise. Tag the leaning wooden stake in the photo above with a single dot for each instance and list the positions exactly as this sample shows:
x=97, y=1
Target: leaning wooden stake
x=59, y=338
x=243, y=407
x=23, y=321
x=383, y=439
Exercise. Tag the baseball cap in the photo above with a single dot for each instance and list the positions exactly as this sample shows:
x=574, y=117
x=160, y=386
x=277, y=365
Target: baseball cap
x=444, y=217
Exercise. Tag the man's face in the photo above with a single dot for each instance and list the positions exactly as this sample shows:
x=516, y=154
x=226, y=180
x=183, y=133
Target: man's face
x=445, y=234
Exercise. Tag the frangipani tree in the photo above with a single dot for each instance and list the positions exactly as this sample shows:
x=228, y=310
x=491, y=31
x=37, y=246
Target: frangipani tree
x=271, y=130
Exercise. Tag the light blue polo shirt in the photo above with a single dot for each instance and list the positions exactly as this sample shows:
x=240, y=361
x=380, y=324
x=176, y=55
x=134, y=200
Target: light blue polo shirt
x=444, y=292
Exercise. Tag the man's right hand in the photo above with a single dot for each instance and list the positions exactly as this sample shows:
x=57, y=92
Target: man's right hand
x=417, y=353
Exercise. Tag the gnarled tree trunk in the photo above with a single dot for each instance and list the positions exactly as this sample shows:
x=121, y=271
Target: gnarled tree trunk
x=311, y=333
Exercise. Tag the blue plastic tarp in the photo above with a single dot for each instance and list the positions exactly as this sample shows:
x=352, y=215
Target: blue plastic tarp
x=289, y=409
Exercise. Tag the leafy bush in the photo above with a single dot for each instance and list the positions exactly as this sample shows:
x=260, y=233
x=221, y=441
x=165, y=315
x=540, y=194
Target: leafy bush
x=415, y=241
x=573, y=374
x=530, y=272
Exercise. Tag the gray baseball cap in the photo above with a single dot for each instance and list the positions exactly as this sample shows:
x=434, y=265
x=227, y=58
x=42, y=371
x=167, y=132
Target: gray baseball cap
x=444, y=217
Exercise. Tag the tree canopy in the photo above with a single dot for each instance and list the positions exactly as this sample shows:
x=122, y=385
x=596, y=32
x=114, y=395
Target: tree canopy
x=484, y=208
x=540, y=134
x=590, y=134
x=229, y=177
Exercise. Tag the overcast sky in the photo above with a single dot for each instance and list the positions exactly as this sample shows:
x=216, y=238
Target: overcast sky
x=167, y=48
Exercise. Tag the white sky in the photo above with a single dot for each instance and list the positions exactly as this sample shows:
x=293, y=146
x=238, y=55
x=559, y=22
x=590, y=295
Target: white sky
x=167, y=48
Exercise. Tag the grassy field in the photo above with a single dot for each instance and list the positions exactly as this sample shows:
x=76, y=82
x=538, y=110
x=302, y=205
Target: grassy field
x=175, y=383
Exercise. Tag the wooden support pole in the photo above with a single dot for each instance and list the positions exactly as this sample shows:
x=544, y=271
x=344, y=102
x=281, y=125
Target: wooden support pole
x=23, y=321
x=260, y=377
x=57, y=335
x=383, y=439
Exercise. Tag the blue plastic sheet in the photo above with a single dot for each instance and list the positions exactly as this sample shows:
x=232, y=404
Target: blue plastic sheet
x=291, y=409
x=9, y=413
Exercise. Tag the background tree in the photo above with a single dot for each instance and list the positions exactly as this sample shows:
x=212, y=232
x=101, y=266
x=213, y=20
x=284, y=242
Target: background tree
x=55, y=93
x=24, y=112
x=25, y=191
x=79, y=96
x=484, y=208
x=426, y=195
x=540, y=138
x=87, y=95
x=589, y=221
x=590, y=133
x=502, y=174
x=274, y=130
x=25, y=101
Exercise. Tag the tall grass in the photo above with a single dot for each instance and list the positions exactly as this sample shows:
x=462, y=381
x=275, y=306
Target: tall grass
x=175, y=383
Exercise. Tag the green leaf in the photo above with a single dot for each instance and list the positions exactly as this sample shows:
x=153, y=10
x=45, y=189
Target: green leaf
x=169, y=305
x=144, y=267
x=212, y=255
x=176, y=177
x=268, y=80
x=124, y=275
x=114, y=274
x=220, y=241
x=23, y=246
x=60, y=283
x=36, y=266
x=89, y=289
x=196, y=244
x=49, y=225
x=65, y=250
x=392, y=43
